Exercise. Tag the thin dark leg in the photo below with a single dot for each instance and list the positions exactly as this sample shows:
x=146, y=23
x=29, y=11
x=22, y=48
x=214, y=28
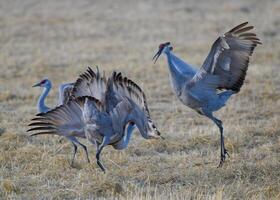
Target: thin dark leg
x=74, y=153
x=85, y=149
x=219, y=123
x=223, y=156
x=73, y=139
x=224, y=152
x=98, y=159
x=99, y=149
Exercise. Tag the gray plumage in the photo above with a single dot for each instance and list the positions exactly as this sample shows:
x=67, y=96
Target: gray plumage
x=222, y=74
x=96, y=85
x=65, y=91
x=106, y=122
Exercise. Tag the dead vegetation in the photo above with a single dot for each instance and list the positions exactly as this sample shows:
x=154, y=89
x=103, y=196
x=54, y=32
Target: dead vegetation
x=59, y=39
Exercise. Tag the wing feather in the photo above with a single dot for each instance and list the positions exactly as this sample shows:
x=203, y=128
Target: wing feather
x=229, y=58
x=65, y=120
x=91, y=84
x=125, y=87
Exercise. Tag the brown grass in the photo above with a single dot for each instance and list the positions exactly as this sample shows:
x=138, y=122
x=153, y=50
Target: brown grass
x=59, y=39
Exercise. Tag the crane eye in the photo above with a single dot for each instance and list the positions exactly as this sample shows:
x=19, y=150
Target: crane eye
x=43, y=81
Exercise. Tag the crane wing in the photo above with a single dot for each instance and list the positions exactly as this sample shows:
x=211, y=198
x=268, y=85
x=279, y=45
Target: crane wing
x=66, y=120
x=228, y=59
x=92, y=109
x=109, y=92
x=119, y=115
x=124, y=87
x=91, y=84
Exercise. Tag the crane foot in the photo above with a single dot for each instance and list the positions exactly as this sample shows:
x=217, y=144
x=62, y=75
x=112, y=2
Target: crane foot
x=223, y=158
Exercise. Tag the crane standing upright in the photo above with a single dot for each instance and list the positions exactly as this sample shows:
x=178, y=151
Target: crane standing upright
x=221, y=75
x=64, y=96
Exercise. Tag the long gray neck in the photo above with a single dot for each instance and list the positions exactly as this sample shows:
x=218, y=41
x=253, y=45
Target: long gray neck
x=138, y=118
x=128, y=134
x=41, y=101
x=135, y=116
x=123, y=143
x=141, y=127
x=176, y=77
x=180, y=71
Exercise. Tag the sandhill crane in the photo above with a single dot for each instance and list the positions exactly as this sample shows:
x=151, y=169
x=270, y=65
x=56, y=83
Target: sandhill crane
x=106, y=122
x=222, y=74
x=94, y=84
x=64, y=96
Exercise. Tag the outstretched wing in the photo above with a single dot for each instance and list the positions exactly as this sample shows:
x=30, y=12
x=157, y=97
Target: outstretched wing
x=65, y=120
x=109, y=92
x=124, y=87
x=119, y=114
x=128, y=96
x=92, y=108
x=228, y=59
x=91, y=84
x=65, y=91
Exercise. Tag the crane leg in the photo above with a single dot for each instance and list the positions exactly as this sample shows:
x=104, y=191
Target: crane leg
x=224, y=151
x=99, y=149
x=219, y=123
x=98, y=159
x=74, y=153
x=86, y=151
x=73, y=139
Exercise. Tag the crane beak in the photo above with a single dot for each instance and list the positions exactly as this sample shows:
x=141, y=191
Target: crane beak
x=161, y=47
x=156, y=56
x=160, y=136
x=37, y=85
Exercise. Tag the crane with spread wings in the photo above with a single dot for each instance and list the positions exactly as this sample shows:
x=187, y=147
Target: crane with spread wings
x=221, y=75
x=105, y=111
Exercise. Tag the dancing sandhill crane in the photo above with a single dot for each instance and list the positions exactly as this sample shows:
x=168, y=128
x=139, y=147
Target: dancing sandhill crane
x=221, y=75
x=103, y=123
x=64, y=96
x=94, y=84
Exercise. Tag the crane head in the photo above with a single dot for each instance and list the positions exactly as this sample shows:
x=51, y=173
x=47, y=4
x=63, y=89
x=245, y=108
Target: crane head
x=43, y=83
x=153, y=132
x=161, y=48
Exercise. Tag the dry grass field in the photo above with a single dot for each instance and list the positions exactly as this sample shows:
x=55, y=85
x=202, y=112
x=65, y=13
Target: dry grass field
x=59, y=39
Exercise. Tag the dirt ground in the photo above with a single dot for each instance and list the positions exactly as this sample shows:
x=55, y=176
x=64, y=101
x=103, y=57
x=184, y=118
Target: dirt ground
x=59, y=39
